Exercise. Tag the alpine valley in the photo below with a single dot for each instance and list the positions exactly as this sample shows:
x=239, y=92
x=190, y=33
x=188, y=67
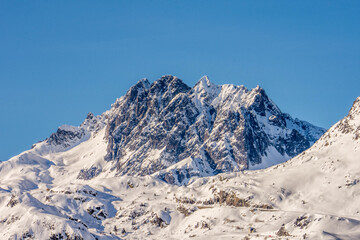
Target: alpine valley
x=168, y=161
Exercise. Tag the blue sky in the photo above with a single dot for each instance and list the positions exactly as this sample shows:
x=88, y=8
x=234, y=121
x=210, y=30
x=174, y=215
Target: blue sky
x=60, y=60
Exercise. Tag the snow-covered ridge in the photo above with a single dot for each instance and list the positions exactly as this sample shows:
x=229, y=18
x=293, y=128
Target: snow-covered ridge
x=348, y=127
x=227, y=127
x=313, y=196
x=67, y=137
x=170, y=130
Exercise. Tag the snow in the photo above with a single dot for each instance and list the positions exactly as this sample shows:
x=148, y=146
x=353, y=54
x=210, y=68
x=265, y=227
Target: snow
x=204, y=93
x=272, y=157
x=68, y=128
x=315, y=195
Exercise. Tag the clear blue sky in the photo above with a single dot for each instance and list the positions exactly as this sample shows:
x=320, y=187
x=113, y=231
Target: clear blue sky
x=60, y=60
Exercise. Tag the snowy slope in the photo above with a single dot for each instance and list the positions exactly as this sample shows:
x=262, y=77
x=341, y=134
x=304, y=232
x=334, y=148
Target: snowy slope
x=313, y=196
x=64, y=187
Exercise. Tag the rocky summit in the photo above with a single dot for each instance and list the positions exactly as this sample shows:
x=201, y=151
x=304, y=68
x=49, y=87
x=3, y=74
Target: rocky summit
x=170, y=161
x=176, y=132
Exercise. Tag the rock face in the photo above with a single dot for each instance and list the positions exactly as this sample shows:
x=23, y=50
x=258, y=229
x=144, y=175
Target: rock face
x=349, y=126
x=67, y=137
x=176, y=132
x=63, y=188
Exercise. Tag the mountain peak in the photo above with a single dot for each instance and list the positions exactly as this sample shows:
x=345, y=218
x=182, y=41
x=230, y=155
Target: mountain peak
x=169, y=78
x=144, y=82
x=205, y=91
x=90, y=115
x=204, y=82
x=114, y=170
x=155, y=126
x=355, y=109
x=169, y=83
x=259, y=90
x=141, y=84
x=139, y=88
x=259, y=94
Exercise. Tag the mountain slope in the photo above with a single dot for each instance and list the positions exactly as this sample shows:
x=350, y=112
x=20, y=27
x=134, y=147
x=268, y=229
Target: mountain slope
x=183, y=132
x=64, y=187
x=313, y=196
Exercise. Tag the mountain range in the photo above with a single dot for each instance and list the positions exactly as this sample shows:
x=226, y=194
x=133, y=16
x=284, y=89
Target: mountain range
x=168, y=160
x=176, y=132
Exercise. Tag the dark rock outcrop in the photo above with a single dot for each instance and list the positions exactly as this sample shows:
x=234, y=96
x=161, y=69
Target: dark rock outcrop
x=182, y=132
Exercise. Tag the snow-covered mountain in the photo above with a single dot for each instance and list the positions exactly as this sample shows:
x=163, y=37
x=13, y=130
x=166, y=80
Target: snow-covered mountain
x=175, y=132
x=91, y=182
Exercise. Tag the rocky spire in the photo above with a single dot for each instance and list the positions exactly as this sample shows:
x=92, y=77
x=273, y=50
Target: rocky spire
x=204, y=92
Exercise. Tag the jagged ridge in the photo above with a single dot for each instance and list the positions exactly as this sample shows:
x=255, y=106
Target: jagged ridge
x=200, y=131
x=51, y=192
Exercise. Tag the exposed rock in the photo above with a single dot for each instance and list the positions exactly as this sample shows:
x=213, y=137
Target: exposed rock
x=65, y=135
x=13, y=201
x=282, y=232
x=89, y=173
x=180, y=132
x=302, y=222
x=160, y=221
